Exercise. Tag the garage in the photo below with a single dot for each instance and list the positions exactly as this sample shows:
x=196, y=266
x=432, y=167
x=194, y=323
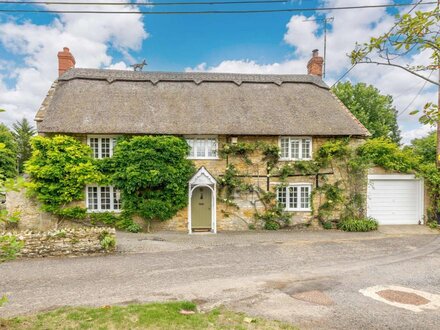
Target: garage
x=395, y=199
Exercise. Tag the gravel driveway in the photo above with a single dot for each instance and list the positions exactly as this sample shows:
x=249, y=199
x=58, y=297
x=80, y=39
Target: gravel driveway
x=311, y=279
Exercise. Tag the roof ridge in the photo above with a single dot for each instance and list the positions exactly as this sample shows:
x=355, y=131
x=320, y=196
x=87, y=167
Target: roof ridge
x=196, y=77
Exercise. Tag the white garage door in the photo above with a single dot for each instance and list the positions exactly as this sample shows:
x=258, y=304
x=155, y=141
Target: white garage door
x=395, y=199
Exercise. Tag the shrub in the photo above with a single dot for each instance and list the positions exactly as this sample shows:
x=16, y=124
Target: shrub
x=271, y=225
x=107, y=241
x=358, y=225
x=327, y=225
x=433, y=225
x=122, y=221
x=10, y=246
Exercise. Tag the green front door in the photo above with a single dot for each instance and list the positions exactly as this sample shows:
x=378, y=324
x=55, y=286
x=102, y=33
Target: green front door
x=201, y=204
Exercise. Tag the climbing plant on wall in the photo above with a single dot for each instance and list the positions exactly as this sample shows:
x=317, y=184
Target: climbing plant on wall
x=152, y=173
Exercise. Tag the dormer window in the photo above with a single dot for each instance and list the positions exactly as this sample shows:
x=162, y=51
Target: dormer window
x=202, y=147
x=295, y=148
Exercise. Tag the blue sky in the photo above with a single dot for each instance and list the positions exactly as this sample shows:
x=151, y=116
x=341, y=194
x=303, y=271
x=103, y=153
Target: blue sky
x=260, y=43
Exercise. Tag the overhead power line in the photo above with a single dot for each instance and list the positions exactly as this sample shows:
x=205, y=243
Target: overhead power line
x=145, y=4
x=204, y=12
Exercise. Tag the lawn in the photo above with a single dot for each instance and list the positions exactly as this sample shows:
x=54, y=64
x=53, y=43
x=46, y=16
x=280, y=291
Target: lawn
x=142, y=316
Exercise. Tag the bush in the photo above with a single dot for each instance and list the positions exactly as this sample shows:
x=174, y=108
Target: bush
x=122, y=222
x=271, y=225
x=9, y=247
x=327, y=225
x=107, y=241
x=433, y=225
x=358, y=225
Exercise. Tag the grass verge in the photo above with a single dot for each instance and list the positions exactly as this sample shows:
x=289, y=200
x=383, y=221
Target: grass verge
x=139, y=316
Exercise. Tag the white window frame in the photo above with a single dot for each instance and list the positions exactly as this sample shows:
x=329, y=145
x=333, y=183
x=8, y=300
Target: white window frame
x=99, y=209
x=288, y=192
x=100, y=137
x=203, y=137
x=298, y=139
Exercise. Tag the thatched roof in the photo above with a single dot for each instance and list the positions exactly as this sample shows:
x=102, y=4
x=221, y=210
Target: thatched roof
x=118, y=102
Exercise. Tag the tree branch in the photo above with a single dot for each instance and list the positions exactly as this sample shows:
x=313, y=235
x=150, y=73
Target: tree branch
x=403, y=68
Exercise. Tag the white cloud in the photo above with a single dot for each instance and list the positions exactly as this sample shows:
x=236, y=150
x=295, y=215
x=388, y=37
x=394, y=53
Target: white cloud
x=89, y=38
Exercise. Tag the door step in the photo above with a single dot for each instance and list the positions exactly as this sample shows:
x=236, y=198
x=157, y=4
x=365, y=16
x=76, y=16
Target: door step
x=201, y=230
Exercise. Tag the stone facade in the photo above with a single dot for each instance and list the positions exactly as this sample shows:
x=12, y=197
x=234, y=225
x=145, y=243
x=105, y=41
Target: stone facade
x=63, y=242
x=229, y=219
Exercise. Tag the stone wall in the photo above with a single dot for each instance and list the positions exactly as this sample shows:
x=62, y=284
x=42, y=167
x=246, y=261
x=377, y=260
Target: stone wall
x=63, y=242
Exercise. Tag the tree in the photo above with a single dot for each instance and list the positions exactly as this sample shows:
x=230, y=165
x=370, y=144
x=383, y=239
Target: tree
x=8, y=154
x=374, y=110
x=152, y=173
x=425, y=147
x=412, y=33
x=23, y=132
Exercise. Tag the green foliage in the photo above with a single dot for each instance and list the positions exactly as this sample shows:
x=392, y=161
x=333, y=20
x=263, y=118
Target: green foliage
x=358, y=225
x=344, y=198
x=271, y=225
x=273, y=214
x=10, y=220
x=10, y=246
x=387, y=154
x=23, y=132
x=412, y=34
x=425, y=148
x=433, y=225
x=8, y=153
x=121, y=221
x=327, y=225
x=152, y=173
x=374, y=110
x=107, y=241
x=59, y=168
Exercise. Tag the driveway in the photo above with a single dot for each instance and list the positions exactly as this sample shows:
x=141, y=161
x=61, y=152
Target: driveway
x=312, y=278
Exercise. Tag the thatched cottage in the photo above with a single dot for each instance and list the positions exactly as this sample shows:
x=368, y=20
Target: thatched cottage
x=296, y=112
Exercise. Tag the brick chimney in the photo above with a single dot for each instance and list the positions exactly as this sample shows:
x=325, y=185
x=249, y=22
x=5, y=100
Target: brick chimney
x=314, y=67
x=66, y=61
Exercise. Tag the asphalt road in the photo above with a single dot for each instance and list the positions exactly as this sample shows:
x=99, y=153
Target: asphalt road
x=256, y=273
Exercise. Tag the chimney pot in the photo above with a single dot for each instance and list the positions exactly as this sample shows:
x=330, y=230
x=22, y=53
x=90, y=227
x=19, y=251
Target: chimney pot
x=66, y=61
x=314, y=66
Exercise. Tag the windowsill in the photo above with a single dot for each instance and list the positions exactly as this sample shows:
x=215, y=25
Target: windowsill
x=302, y=210
x=104, y=211
x=203, y=158
x=293, y=159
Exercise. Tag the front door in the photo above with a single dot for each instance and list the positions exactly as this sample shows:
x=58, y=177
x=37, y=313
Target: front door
x=201, y=204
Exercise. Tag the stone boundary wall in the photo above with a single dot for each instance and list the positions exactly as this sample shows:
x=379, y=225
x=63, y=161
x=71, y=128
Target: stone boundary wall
x=63, y=242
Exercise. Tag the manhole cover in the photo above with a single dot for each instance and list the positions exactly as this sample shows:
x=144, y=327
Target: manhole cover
x=315, y=297
x=401, y=297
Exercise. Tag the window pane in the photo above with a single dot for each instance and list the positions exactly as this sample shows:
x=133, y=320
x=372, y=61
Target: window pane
x=92, y=198
x=294, y=149
x=200, y=148
x=284, y=147
x=305, y=197
x=293, y=197
x=105, y=198
x=94, y=145
x=212, y=147
x=306, y=148
x=191, y=147
x=281, y=196
x=116, y=200
x=105, y=147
